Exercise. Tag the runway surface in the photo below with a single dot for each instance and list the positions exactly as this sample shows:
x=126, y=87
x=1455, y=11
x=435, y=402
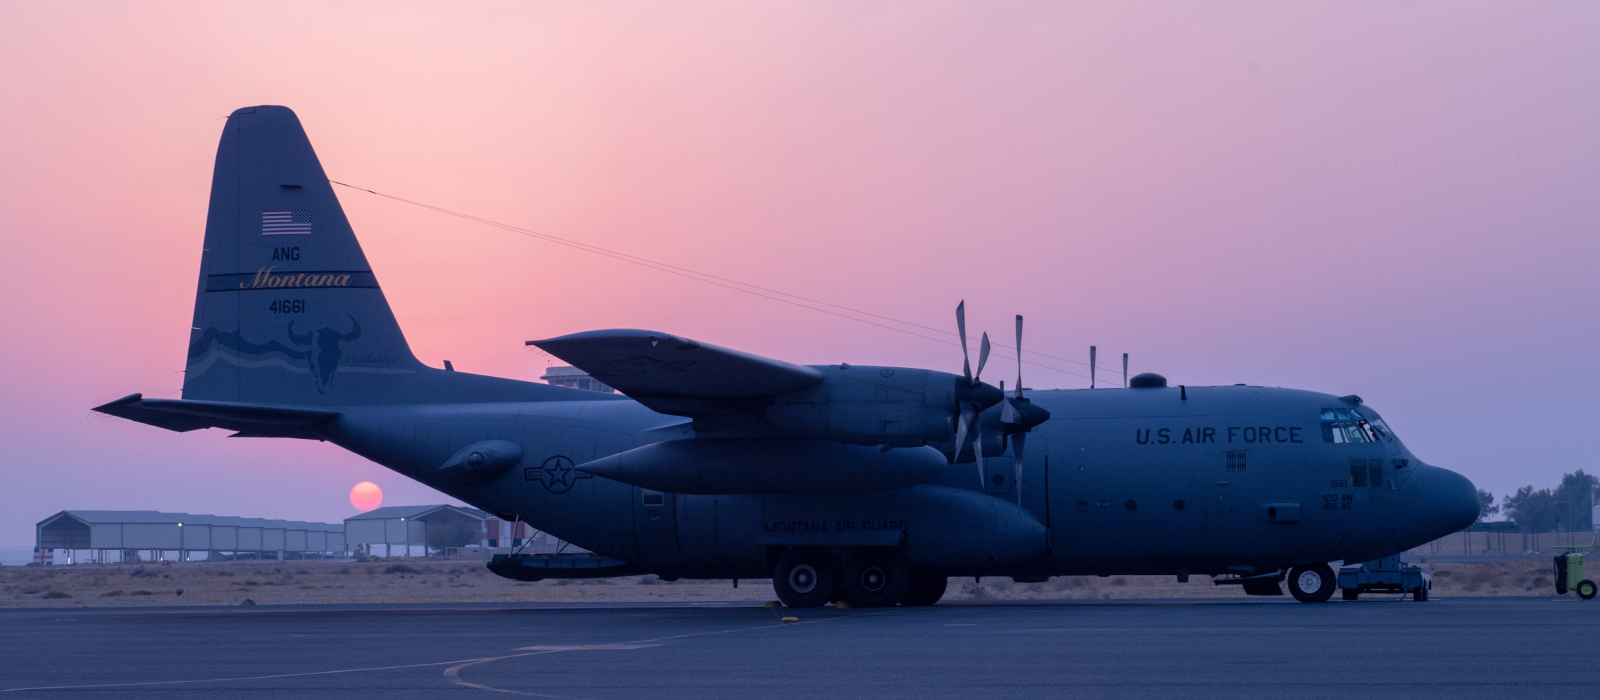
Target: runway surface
x=1445, y=648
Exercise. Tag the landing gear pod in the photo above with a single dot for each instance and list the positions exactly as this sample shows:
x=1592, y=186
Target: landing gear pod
x=925, y=588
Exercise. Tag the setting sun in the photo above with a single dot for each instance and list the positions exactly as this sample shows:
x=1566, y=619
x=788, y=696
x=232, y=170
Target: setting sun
x=365, y=496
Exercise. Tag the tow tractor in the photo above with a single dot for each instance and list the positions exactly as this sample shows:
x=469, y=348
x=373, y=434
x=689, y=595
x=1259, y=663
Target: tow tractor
x=1569, y=570
x=1386, y=575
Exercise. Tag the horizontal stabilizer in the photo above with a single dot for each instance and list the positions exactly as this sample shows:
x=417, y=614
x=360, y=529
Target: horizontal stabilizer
x=250, y=420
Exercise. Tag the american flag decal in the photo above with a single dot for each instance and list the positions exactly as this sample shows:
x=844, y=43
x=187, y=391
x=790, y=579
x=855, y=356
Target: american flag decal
x=286, y=222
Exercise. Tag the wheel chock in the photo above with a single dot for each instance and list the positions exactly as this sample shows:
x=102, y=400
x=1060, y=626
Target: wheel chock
x=773, y=604
x=791, y=619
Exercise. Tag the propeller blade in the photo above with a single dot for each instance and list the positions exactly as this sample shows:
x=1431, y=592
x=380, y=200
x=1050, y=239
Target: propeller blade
x=1009, y=413
x=1019, y=356
x=983, y=357
x=963, y=425
x=977, y=451
x=1016, y=459
x=961, y=329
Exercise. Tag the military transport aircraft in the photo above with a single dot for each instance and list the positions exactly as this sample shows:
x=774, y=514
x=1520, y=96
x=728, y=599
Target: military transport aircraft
x=871, y=485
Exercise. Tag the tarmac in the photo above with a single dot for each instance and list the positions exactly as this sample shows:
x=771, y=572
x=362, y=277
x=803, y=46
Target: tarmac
x=1380, y=646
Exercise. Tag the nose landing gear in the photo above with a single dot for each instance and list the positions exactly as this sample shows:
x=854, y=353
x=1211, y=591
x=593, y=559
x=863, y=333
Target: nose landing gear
x=1312, y=584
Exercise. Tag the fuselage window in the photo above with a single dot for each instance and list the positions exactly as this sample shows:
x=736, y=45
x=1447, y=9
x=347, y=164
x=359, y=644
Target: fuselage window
x=1236, y=461
x=1366, y=472
x=1358, y=472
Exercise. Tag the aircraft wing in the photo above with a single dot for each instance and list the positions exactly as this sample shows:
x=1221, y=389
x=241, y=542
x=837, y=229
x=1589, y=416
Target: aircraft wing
x=679, y=376
x=250, y=420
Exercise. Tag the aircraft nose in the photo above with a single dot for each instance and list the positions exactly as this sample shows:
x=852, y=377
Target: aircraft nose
x=1443, y=502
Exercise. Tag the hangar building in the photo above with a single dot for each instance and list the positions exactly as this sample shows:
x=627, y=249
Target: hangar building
x=100, y=531
x=404, y=526
x=407, y=527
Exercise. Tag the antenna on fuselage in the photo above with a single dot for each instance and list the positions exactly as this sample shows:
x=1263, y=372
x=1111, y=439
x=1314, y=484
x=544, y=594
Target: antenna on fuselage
x=1124, y=370
x=1091, y=366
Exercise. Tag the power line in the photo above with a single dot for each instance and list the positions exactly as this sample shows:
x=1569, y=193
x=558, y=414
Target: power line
x=724, y=282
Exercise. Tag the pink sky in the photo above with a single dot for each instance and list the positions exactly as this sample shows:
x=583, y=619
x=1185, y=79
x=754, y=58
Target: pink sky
x=1393, y=199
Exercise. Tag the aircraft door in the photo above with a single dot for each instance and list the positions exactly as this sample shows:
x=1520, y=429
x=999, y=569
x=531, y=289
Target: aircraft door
x=1032, y=480
x=655, y=525
x=1229, y=495
x=1071, y=496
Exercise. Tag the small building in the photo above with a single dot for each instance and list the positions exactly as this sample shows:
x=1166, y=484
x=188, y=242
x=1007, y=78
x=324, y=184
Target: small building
x=574, y=378
x=409, y=526
x=506, y=533
x=127, y=531
x=405, y=526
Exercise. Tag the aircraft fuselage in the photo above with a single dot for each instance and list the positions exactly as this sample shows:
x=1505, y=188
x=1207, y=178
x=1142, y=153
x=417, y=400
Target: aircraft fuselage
x=1202, y=480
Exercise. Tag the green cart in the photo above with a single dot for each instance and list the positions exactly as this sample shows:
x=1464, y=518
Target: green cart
x=1569, y=571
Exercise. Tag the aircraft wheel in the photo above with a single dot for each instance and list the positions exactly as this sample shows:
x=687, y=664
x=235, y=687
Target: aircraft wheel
x=1585, y=589
x=1350, y=593
x=874, y=581
x=924, y=588
x=803, y=579
x=1312, y=584
x=1420, y=594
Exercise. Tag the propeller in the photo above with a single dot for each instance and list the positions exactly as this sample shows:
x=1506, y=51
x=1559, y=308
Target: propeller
x=1018, y=415
x=974, y=396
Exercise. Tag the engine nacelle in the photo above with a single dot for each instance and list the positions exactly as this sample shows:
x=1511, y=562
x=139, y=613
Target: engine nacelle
x=894, y=406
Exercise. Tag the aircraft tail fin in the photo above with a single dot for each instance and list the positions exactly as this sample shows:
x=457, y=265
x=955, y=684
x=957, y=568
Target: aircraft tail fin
x=288, y=311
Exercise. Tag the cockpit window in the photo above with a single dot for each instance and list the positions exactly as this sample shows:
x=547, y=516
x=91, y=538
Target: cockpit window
x=1341, y=425
x=1381, y=428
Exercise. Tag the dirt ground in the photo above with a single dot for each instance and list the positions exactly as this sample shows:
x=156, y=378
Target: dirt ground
x=443, y=581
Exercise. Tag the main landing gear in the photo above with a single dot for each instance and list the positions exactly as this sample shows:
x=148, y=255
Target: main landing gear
x=874, y=581
x=808, y=578
x=803, y=579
